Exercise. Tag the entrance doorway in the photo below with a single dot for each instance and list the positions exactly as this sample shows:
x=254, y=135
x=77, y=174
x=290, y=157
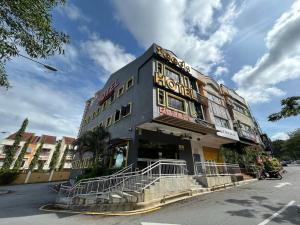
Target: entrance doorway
x=151, y=151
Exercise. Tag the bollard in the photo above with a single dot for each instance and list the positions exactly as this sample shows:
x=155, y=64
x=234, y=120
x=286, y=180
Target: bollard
x=298, y=208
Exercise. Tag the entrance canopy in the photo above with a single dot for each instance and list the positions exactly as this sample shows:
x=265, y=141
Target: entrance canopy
x=209, y=139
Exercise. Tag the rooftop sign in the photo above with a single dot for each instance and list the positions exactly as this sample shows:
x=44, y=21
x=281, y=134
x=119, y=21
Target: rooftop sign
x=108, y=92
x=172, y=59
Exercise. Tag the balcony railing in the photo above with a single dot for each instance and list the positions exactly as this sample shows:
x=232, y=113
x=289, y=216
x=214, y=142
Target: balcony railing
x=216, y=169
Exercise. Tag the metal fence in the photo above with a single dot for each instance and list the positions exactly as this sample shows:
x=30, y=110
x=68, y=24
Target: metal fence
x=125, y=181
x=216, y=169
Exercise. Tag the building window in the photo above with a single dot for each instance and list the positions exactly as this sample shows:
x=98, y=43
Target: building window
x=241, y=109
x=117, y=115
x=199, y=111
x=29, y=149
x=186, y=81
x=173, y=75
x=112, y=97
x=108, y=121
x=101, y=124
x=126, y=110
x=121, y=90
x=221, y=122
x=176, y=103
x=218, y=109
x=159, y=67
x=214, y=98
x=245, y=127
x=104, y=104
x=129, y=83
x=161, y=97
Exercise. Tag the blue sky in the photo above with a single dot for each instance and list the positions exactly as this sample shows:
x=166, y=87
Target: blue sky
x=251, y=46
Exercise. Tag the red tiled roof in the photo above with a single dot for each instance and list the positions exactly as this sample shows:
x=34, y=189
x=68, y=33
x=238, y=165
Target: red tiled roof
x=25, y=136
x=69, y=140
x=35, y=139
x=49, y=139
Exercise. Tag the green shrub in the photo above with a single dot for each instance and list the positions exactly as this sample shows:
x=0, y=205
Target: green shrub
x=8, y=176
x=272, y=165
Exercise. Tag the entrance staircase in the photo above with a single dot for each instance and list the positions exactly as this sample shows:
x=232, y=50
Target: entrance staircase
x=126, y=189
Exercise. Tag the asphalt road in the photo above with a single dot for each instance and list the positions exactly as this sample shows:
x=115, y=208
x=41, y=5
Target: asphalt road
x=249, y=204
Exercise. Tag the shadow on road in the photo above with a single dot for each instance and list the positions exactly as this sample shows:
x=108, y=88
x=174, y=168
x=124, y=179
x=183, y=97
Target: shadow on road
x=289, y=215
x=25, y=200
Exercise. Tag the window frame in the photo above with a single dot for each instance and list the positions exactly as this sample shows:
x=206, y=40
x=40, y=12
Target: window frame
x=178, y=98
x=174, y=71
x=106, y=122
x=162, y=67
x=220, y=118
x=130, y=103
x=130, y=79
x=121, y=88
x=164, y=94
x=120, y=116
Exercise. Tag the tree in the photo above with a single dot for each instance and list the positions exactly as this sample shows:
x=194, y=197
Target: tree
x=277, y=148
x=36, y=156
x=94, y=141
x=290, y=107
x=19, y=160
x=54, y=159
x=63, y=159
x=291, y=146
x=10, y=152
x=28, y=25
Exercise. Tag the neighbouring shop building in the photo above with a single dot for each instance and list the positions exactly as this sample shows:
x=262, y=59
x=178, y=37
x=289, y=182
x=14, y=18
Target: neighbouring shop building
x=159, y=107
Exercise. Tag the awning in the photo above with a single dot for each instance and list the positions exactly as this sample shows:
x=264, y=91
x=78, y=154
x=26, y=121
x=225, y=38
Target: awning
x=187, y=125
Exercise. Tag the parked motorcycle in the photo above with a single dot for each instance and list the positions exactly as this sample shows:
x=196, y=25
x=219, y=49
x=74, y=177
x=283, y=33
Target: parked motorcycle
x=270, y=174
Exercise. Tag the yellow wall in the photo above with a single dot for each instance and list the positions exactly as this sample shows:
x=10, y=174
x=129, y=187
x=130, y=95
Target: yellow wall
x=212, y=154
x=39, y=177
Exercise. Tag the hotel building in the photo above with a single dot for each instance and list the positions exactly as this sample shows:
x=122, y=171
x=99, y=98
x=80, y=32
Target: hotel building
x=159, y=107
x=46, y=153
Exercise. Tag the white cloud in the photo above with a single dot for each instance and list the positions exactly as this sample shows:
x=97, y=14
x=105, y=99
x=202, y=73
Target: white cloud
x=221, y=81
x=221, y=70
x=191, y=29
x=106, y=54
x=52, y=101
x=280, y=136
x=279, y=64
x=73, y=13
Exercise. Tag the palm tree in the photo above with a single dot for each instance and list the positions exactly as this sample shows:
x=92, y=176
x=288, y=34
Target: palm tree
x=94, y=141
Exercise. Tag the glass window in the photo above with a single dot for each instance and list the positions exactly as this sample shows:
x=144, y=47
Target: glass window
x=117, y=115
x=159, y=67
x=112, y=97
x=108, y=121
x=161, y=97
x=120, y=91
x=218, y=110
x=129, y=83
x=126, y=110
x=171, y=74
x=186, y=82
x=176, y=103
x=29, y=149
x=214, y=98
x=199, y=111
x=221, y=122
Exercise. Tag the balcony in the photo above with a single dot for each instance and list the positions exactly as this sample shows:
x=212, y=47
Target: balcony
x=247, y=135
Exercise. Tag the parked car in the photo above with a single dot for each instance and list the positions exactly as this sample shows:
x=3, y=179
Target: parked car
x=284, y=163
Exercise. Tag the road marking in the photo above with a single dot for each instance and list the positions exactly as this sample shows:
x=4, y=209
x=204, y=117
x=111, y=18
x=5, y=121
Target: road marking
x=277, y=213
x=145, y=223
x=280, y=185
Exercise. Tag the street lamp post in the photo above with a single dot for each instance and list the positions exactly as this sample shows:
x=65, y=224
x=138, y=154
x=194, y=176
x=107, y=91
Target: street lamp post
x=44, y=65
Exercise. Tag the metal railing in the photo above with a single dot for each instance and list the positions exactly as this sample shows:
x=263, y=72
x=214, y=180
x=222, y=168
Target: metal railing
x=216, y=169
x=136, y=181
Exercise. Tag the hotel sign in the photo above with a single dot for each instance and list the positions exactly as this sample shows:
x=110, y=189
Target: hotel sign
x=177, y=87
x=108, y=92
x=172, y=59
x=227, y=133
x=178, y=115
